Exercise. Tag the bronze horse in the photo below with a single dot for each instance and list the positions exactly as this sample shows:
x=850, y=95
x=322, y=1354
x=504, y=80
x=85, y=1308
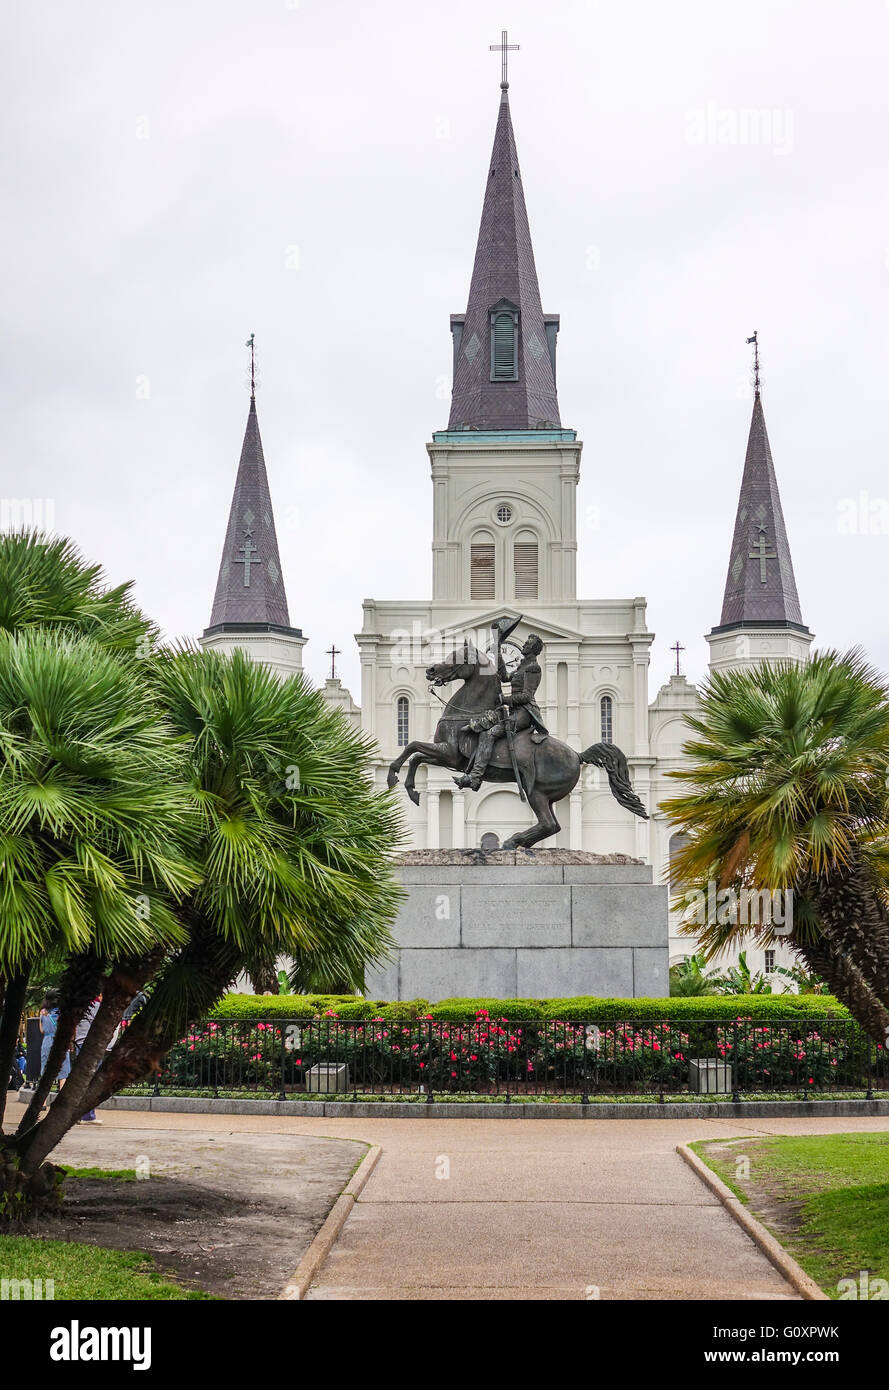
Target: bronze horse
x=549, y=769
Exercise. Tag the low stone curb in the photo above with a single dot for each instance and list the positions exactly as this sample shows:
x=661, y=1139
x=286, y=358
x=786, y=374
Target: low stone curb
x=499, y=1110
x=770, y=1247
x=302, y=1277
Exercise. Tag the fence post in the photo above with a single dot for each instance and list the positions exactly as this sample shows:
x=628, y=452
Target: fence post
x=282, y=1094
x=870, y=1068
x=736, y=1092
x=428, y=1066
x=663, y=1063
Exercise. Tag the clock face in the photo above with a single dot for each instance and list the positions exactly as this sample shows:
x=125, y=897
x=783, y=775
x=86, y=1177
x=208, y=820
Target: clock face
x=511, y=653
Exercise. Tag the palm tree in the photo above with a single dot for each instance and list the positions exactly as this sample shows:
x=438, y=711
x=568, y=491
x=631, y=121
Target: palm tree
x=46, y=584
x=295, y=845
x=95, y=824
x=166, y=821
x=787, y=789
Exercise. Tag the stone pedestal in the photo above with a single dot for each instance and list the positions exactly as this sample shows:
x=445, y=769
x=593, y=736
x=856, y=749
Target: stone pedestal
x=530, y=924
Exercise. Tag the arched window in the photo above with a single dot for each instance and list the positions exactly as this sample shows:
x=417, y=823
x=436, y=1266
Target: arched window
x=525, y=565
x=481, y=566
x=606, y=718
x=504, y=345
x=402, y=721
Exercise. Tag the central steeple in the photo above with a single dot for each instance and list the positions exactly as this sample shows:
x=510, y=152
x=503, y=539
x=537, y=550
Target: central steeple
x=504, y=345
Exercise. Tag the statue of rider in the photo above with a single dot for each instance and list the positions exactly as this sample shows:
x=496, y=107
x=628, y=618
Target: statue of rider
x=520, y=708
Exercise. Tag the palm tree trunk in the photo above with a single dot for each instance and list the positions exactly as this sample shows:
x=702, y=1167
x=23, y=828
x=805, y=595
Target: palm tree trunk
x=195, y=981
x=848, y=983
x=14, y=1002
x=854, y=918
x=34, y=1145
x=79, y=985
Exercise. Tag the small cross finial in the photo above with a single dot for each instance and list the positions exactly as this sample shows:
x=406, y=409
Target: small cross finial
x=755, y=341
x=677, y=649
x=503, y=48
x=333, y=652
x=249, y=344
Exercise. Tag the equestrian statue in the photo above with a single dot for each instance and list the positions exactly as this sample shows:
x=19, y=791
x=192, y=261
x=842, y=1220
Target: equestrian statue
x=487, y=735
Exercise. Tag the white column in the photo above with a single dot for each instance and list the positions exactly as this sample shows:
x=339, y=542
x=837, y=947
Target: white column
x=642, y=788
x=433, y=839
x=575, y=824
x=640, y=701
x=369, y=694
x=458, y=804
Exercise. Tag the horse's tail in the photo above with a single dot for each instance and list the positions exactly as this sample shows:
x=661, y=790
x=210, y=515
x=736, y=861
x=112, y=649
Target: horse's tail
x=609, y=756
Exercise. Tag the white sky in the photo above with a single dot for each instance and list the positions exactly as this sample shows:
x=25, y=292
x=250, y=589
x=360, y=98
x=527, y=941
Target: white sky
x=161, y=161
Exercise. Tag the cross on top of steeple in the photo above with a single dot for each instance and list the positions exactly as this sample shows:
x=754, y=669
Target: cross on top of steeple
x=503, y=48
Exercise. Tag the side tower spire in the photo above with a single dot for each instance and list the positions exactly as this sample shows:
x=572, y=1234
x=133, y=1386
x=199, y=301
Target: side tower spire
x=250, y=605
x=761, y=618
x=504, y=345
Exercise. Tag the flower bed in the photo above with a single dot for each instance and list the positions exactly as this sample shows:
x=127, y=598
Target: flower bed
x=492, y=1054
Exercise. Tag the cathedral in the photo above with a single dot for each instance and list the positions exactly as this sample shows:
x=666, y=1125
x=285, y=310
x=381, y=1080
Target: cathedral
x=504, y=475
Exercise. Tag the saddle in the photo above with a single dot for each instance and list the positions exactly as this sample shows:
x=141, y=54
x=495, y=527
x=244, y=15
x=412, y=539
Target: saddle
x=500, y=759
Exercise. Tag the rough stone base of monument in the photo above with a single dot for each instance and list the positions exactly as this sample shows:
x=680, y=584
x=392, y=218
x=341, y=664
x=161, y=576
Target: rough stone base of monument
x=526, y=924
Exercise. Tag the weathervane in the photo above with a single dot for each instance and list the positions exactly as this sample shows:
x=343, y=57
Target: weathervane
x=504, y=48
x=755, y=341
x=333, y=652
x=677, y=649
x=249, y=344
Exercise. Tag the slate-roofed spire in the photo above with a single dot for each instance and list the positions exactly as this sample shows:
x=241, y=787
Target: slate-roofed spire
x=504, y=278
x=250, y=587
x=760, y=588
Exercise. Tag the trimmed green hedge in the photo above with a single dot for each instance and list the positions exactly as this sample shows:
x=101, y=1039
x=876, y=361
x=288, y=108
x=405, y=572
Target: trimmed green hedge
x=760, y=1007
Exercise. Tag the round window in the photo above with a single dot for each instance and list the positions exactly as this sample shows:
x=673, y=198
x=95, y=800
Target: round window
x=504, y=513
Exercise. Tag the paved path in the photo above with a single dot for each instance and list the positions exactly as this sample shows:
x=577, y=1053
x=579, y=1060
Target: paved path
x=545, y=1210
x=530, y=1209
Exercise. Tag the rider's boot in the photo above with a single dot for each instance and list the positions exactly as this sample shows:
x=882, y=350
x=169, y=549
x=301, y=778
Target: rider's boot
x=483, y=752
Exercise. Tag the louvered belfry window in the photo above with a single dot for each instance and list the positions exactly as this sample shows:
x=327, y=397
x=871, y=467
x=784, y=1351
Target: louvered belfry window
x=481, y=578
x=504, y=364
x=525, y=559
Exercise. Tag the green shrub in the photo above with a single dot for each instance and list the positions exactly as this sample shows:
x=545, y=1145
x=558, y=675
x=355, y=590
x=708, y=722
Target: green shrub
x=297, y=1006
x=762, y=1008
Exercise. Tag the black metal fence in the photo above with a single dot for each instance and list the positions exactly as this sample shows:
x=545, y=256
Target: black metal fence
x=520, y=1059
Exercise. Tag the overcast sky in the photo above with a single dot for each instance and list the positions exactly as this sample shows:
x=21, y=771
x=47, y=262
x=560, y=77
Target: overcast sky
x=178, y=176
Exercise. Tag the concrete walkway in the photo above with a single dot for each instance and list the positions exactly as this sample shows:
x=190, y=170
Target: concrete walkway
x=525, y=1209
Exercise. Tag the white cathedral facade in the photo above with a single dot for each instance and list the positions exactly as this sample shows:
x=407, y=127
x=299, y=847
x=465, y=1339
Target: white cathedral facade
x=504, y=477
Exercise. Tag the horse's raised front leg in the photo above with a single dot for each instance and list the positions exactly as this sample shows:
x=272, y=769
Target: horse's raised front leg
x=450, y=758
x=432, y=752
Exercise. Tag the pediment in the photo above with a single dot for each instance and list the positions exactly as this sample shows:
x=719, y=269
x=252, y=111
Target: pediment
x=549, y=631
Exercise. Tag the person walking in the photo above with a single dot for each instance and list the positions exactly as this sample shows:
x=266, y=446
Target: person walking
x=49, y=1020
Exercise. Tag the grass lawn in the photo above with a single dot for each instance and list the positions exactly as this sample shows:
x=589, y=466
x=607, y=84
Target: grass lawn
x=87, y=1271
x=824, y=1196
x=100, y=1174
